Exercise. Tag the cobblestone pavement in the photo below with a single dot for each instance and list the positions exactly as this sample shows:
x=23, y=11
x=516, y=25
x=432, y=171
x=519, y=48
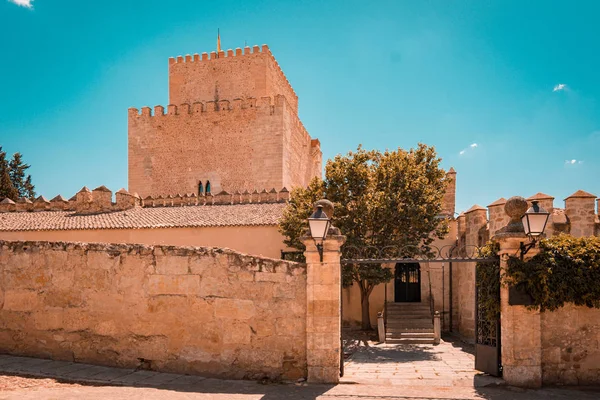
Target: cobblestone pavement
x=30, y=378
x=447, y=364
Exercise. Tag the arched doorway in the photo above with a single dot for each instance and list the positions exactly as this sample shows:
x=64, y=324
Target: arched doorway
x=407, y=283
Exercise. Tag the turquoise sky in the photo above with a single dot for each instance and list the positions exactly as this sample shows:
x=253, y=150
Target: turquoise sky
x=507, y=91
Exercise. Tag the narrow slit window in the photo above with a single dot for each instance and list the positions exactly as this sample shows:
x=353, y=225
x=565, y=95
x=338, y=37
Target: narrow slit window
x=207, y=187
x=200, y=189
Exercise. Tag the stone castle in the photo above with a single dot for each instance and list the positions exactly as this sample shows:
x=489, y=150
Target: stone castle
x=124, y=282
x=232, y=125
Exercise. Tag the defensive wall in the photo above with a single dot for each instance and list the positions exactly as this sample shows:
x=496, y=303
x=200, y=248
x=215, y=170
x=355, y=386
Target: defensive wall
x=242, y=144
x=251, y=72
x=569, y=338
x=245, y=222
x=190, y=310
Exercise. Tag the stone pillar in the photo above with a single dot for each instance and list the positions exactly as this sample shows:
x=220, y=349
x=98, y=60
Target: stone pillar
x=580, y=208
x=521, y=337
x=323, y=313
x=323, y=305
x=437, y=328
x=498, y=217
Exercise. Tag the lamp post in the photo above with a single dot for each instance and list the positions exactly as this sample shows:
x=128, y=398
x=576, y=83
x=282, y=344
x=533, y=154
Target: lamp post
x=534, y=223
x=319, y=223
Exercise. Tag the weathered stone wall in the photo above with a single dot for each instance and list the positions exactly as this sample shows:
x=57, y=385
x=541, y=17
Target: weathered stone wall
x=302, y=157
x=237, y=147
x=571, y=346
x=228, y=75
x=234, y=149
x=232, y=121
x=558, y=347
x=180, y=309
x=265, y=241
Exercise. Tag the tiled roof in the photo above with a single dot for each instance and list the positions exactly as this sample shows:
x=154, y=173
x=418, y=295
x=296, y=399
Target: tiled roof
x=139, y=218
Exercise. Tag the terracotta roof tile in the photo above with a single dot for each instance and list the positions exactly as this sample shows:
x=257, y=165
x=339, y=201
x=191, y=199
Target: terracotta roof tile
x=140, y=218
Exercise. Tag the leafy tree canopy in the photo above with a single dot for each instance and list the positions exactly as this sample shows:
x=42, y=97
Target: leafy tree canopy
x=391, y=198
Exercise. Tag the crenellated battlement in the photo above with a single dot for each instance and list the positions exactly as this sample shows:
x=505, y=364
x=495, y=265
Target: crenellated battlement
x=99, y=200
x=231, y=121
x=263, y=104
x=580, y=217
x=224, y=56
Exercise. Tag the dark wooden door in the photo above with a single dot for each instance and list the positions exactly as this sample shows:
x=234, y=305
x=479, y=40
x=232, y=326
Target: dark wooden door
x=407, y=283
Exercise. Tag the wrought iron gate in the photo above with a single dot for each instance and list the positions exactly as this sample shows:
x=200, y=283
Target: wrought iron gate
x=487, y=332
x=487, y=319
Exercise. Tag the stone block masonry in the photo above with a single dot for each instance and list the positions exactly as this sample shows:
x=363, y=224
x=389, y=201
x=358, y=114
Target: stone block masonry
x=232, y=122
x=207, y=311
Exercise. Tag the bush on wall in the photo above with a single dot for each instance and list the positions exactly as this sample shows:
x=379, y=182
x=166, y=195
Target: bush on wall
x=566, y=270
x=488, y=282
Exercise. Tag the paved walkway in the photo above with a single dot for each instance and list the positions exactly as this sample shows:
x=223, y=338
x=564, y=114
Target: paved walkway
x=36, y=379
x=447, y=364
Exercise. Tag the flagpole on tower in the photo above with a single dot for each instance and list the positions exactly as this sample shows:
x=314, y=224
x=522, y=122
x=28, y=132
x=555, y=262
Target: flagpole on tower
x=218, y=41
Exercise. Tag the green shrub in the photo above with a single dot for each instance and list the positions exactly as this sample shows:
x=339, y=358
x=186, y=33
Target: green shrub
x=488, y=282
x=566, y=270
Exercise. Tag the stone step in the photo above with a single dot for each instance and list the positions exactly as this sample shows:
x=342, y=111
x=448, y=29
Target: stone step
x=409, y=320
x=409, y=341
x=416, y=325
x=409, y=316
x=403, y=334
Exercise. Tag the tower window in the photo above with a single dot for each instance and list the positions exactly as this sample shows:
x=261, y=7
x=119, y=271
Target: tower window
x=200, y=189
x=207, y=187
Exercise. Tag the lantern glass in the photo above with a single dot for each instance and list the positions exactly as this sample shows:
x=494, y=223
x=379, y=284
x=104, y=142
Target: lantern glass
x=318, y=224
x=535, y=219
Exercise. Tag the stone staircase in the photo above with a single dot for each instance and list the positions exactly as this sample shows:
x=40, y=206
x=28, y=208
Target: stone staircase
x=409, y=323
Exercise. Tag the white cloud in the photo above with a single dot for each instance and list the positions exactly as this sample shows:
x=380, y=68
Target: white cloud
x=573, y=162
x=22, y=3
x=471, y=146
x=559, y=87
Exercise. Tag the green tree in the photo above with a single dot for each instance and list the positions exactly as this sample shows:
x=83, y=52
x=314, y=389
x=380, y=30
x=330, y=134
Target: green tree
x=7, y=189
x=391, y=198
x=29, y=189
x=17, y=173
x=13, y=182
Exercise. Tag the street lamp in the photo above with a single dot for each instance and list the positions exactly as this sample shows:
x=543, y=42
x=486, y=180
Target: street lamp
x=534, y=222
x=319, y=223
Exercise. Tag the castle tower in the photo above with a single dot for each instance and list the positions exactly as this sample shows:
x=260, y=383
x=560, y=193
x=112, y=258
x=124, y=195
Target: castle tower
x=232, y=123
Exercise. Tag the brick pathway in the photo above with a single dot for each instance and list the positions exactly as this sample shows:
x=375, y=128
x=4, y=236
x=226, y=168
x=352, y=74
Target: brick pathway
x=444, y=365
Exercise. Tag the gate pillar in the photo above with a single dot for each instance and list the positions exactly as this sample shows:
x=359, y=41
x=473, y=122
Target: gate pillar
x=323, y=312
x=521, y=337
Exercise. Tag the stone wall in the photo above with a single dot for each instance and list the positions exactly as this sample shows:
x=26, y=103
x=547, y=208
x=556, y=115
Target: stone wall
x=237, y=146
x=560, y=347
x=253, y=72
x=571, y=346
x=232, y=121
x=579, y=218
x=265, y=241
x=179, y=309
